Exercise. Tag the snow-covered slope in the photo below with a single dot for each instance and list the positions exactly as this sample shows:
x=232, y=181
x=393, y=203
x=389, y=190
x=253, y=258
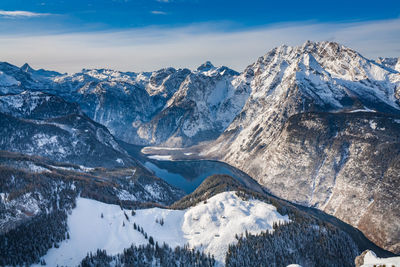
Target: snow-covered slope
x=7, y=80
x=36, y=105
x=209, y=227
x=73, y=139
x=369, y=259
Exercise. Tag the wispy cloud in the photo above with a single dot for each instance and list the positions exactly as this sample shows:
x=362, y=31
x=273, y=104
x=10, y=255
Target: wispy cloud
x=153, y=48
x=21, y=14
x=158, y=12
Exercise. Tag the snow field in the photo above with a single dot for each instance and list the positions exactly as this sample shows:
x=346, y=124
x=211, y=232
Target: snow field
x=160, y=157
x=88, y=232
x=371, y=260
x=209, y=227
x=7, y=80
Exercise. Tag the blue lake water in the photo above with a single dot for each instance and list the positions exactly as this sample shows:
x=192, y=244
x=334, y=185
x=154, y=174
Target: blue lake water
x=188, y=175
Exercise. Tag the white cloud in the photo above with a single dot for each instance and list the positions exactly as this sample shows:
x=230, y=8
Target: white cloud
x=153, y=48
x=21, y=14
x=158, y=12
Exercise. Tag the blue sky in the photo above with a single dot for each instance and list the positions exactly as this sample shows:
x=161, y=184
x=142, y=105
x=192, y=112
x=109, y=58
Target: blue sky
x=137, y=35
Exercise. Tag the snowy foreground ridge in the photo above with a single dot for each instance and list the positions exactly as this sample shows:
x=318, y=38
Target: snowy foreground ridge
x=209, y=227
x=371, y=260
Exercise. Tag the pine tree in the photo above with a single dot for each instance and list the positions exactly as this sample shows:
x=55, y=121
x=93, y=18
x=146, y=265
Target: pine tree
x=151, y=240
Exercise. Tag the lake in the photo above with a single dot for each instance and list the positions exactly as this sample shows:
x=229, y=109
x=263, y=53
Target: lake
x=189, y=174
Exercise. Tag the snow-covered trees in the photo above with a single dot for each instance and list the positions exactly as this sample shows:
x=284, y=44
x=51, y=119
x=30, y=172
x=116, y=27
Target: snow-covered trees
x=302, y=243
x=160, y=221
x=40, y=230
x=151, y=256
x=28, y=242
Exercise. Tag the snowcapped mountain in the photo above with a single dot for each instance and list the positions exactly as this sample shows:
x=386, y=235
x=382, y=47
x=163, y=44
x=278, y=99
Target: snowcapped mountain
x=203, y=106
x=16, y=80
x=121, y=101
x=40, y=73
x=313, y=131
x=166, y=106
x=169, y=106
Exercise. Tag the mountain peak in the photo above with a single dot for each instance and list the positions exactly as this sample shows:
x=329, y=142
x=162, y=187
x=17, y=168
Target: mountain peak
x=338, y=60
x=206, y=66
x=27, y=68
x=309, y=43
x=313, y=44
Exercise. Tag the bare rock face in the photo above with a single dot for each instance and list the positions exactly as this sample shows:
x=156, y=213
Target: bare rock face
x=346, y=164
x=359, y=261
x=320, y=128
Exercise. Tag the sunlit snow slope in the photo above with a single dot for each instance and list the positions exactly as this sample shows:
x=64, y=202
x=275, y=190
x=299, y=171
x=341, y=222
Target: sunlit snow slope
x=210, y=227
x=371, y=260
